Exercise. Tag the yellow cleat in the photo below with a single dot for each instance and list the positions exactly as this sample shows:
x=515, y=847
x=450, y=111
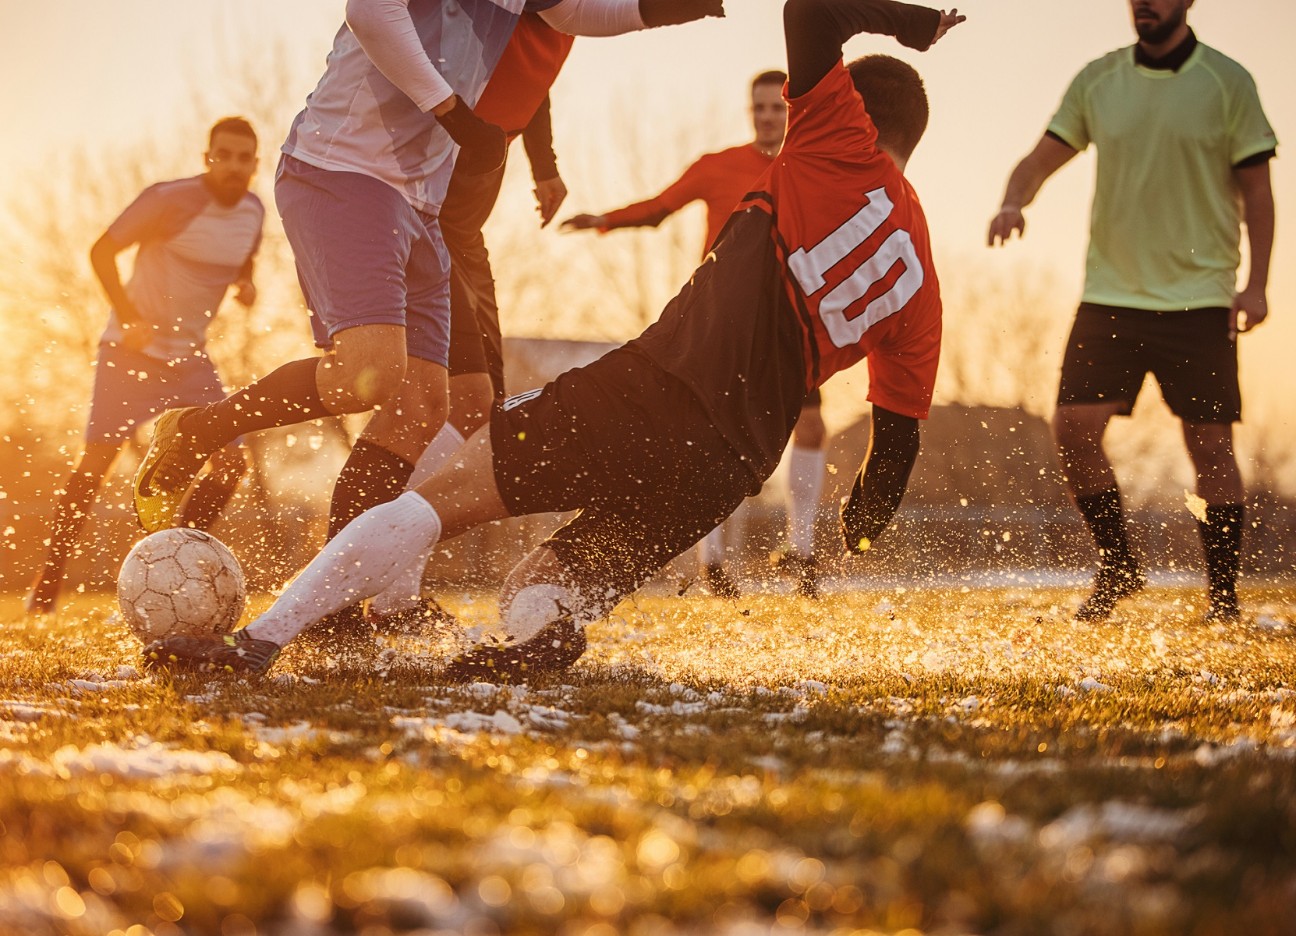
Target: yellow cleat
x=169, y=467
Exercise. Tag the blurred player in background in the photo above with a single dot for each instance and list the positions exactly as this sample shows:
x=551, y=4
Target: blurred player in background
x=721, y=180
x=827, y=262
x=196, y=237
x=1184, y=150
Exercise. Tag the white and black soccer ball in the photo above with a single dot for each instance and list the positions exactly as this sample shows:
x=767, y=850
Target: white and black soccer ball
x=180, y=581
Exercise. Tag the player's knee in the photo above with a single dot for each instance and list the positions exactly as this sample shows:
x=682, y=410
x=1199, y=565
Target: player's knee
x=809, y=432
x=357, y=385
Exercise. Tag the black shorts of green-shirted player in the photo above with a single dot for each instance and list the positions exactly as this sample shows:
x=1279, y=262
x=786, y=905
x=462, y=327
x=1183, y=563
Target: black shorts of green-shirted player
x=631, y=446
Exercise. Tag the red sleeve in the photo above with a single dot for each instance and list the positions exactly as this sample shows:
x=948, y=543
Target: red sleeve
x=688, y=187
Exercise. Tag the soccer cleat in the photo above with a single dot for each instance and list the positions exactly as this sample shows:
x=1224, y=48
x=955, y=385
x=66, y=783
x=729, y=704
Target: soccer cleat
x=166, y=472
x=556, y=647
x=211, y=653
x=412, y=620
x=1111, y=584
x=804, y=568
x=720, y=582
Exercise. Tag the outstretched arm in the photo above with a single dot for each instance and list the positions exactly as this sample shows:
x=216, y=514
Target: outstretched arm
x=816, y=30
x=614, y=17
x=648, y=213
x=881, y=482
x=1049, y=155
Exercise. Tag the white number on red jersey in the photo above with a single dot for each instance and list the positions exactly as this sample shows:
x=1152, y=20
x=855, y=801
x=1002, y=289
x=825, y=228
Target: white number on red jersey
x=809, y=267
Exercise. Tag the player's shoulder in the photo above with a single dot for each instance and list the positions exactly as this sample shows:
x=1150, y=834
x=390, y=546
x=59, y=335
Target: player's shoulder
x=1225, y=69
x=1106, y=66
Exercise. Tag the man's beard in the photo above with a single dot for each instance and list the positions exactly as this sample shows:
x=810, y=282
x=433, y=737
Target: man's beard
x=1157, y=33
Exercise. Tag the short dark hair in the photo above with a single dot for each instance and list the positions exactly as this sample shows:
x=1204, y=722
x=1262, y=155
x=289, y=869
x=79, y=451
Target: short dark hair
x=769, y=77
x=895, y=97
x=237, y=125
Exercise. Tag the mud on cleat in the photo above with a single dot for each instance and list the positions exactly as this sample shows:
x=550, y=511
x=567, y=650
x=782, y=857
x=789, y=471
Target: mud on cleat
x=211, y=653
x=1111, y=584
x=719, y=582
x=166, y=472
x=427, y=614
x=556, y=647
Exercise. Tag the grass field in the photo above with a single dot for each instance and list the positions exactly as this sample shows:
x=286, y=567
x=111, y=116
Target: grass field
x=940, y=761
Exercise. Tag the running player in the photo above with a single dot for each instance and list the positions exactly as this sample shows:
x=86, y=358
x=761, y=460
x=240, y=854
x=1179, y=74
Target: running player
x=720, y=180
x=363, y=175
x=517, y=100
x=196, y=237
x=825, y=263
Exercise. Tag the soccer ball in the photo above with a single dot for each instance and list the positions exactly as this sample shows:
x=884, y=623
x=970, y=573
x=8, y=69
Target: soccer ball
x=180, y=581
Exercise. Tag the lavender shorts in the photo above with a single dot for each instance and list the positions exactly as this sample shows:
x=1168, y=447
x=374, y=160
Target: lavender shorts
x=131, y=388
x=365, y=256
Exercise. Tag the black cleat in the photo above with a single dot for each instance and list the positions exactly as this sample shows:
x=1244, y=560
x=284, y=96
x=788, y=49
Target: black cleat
x=556, y=647
x=214, y=654
x=412, y=620
x=1111, y=584
x=720, y=582
x=1223, y=608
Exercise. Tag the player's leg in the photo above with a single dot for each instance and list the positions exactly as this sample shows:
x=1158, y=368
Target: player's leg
x=70, y=514
x=1219, y=484
x=1102, y=372
x=212, y=491
x=1199, y=380
x=351, y=236
x=711, y=565
x=806, y=463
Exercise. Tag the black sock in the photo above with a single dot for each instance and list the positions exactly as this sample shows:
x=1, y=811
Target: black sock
x=371, y=476
x=283, y=397
x=1102, y=511
x=1221, y=535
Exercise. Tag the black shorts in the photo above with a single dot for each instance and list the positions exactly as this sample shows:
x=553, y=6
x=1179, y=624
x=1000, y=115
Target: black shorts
x=475, y=345
x=631, y=448
x=1190, y=353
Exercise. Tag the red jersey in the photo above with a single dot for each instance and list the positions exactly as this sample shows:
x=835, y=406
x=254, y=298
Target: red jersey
x=827, y=261
x=526, y=71
x=718, y=179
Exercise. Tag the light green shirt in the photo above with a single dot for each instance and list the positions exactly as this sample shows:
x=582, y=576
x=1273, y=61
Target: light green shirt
x=1165, y=229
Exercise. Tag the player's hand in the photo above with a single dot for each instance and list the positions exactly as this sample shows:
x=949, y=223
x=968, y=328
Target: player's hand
x=549, y=196
x=583, y=222
x=673, y=12
x=1250, y=308
x=245, y=292
x=1003, y=224
x=947, y=22
x=481, y=144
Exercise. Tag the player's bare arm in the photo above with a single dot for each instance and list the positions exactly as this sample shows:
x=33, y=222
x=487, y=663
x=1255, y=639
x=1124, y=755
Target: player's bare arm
x=1250, y=306
x=1049, y=155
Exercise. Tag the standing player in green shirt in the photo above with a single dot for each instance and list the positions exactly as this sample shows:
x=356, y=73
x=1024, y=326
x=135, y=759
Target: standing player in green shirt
x=1183, y=158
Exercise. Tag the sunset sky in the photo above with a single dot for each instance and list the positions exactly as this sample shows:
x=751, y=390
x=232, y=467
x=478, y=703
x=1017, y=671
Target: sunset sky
x=90, y=74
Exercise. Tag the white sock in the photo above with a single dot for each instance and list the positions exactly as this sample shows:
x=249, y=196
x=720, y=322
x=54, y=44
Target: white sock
x=407, y=584
x=711, y=548
x=805, y=485
x=356, y=564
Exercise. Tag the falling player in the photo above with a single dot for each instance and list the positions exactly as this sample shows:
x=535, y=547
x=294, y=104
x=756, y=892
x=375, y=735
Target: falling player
x=826, y=263
x=720, y=180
